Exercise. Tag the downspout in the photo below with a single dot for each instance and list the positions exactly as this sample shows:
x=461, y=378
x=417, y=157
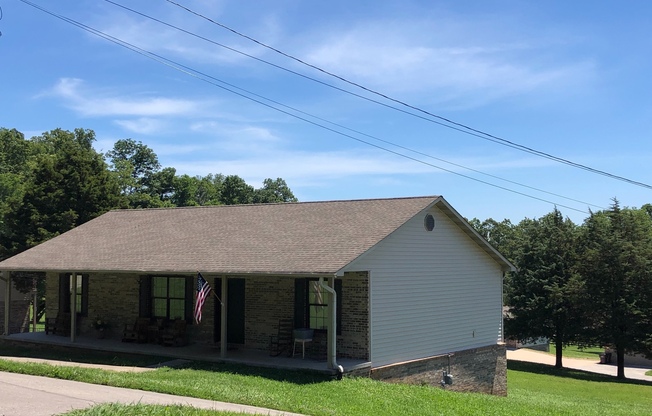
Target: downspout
x=332, y=329
x=502, y=306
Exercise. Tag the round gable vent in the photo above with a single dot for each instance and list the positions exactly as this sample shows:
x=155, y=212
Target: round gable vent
x=429, y=222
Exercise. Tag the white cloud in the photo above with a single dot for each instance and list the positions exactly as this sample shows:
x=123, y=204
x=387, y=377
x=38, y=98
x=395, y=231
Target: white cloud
x=448, y=61
x=142, y=125
x=97, y=103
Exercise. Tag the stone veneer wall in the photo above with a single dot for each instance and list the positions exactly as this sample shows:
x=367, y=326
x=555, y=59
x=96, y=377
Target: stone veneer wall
x=479, y=370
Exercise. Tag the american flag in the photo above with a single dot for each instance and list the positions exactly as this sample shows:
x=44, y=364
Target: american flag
x=203, y=290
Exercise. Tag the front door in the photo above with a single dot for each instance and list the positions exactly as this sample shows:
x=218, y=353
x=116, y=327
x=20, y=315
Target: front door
x=235, y=311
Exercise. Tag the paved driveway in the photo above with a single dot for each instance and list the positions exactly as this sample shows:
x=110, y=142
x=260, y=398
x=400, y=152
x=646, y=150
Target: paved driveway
x=24, y=395
x=524, y=354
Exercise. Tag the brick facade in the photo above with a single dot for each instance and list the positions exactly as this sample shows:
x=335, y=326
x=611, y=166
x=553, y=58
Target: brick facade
x=478, y=370
x=112, y=298
x=354, y=340
x=115, y=298
x=19, y=316
x=19, y=310
x=267, y=299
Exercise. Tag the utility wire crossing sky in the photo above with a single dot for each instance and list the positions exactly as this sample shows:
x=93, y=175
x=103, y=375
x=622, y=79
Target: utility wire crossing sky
x=446, y=63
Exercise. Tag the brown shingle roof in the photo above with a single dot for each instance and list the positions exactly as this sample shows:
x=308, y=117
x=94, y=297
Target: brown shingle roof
x=293, y=238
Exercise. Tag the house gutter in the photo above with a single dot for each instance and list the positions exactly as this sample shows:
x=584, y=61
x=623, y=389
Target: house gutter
x=332, y=328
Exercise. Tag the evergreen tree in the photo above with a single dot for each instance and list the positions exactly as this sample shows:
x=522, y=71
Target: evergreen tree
x=545, y=288
x=616, y=265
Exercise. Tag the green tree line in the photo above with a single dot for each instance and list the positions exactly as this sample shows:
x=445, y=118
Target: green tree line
x=54, y=182
x=587, y=284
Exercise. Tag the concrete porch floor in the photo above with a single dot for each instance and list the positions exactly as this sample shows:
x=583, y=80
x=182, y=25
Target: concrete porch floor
x=194, y=352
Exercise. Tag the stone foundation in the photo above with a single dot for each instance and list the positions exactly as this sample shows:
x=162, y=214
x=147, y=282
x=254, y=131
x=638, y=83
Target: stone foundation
x=477, y=370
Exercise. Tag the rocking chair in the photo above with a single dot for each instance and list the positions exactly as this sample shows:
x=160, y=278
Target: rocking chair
x=136, y=332
x=282, y=341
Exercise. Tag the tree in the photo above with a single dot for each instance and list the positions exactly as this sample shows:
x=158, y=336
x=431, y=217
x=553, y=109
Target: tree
x=143, y=159
x=273, y=191
x=137, y=169
x=501, y=235
x=617, y=271
x=647, y=208
x=236, y=191
x=67, y=185
x=14, y=153
x=545, y=288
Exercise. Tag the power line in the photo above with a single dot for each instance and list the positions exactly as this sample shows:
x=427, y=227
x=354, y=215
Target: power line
x=460, y=127
x=231, y=88
x=340, y=89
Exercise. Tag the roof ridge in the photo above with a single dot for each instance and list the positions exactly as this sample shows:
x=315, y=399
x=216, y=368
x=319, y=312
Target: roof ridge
x=274, y=203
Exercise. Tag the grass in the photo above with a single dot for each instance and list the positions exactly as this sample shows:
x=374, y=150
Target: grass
x=82, y=356
x=114, y=409
x=573, y=351
x=533, y=390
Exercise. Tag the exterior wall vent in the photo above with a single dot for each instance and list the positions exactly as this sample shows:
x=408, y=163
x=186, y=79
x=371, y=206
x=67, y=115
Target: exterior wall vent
x=429, y=222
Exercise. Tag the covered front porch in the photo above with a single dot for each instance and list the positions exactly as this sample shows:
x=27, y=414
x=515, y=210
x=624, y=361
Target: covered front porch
x=192, y=352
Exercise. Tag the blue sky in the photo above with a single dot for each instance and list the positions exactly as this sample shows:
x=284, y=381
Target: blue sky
x=571, y=79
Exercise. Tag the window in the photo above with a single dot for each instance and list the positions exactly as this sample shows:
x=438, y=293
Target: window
x=317, y=306
x=169, y=297
x=65, y=292
x=311, y=305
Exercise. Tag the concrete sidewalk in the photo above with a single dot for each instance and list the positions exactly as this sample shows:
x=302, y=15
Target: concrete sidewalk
x=25, y=395
x=533, y=356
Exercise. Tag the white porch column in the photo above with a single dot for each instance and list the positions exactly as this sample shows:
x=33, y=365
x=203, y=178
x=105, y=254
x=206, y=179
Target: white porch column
x=223, y=320
x=73, y=307
x=34, y=307
x=6, y=276
x=331, y=332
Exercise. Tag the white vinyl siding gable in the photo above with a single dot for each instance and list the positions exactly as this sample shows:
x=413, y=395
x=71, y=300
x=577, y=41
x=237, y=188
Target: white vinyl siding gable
x=432, y=292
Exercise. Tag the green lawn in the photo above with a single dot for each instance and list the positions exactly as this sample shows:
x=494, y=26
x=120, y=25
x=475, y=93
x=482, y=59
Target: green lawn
x=82, y=356
x=114, y=409
x=533, y=390
x=573, y=351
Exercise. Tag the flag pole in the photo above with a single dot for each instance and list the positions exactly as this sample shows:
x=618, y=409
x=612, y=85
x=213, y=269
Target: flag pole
x=217, y=297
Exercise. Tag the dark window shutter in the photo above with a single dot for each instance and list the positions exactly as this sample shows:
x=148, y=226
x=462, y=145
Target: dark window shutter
x=190, y=299
x=64, y=293
x=300, y=303
x=84, y=302
x=145, y=297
